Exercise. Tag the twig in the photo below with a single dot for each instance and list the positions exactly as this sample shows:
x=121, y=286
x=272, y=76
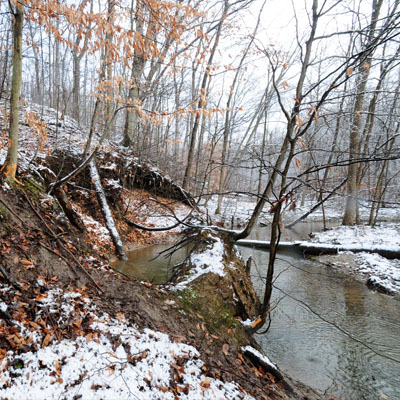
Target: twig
x=9, y=278
x=62, y=245
x=12, y=211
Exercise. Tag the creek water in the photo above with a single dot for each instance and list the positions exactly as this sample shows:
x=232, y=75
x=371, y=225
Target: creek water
x=340, y=360
x=315, y=351
x=146, y=263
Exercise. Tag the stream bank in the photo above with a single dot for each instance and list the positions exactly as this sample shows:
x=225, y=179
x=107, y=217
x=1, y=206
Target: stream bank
x=330, y=331
x=51, y=261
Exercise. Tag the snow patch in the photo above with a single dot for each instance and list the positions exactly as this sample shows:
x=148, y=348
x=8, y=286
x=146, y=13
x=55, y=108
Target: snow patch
x=387, y=236
x=262, y=357
x=384, y=272
x=3, y=307
x=115, y=360
x=210, y=260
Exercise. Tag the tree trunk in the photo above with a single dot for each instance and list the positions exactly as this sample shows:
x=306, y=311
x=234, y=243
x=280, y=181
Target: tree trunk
x=202, y=102
x=4, y=77
x=349, y=217
x=12, y=153
x=94, y=174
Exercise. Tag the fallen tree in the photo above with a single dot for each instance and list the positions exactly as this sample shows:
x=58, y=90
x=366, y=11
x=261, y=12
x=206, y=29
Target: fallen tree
x=309, y=248
x=106, y=211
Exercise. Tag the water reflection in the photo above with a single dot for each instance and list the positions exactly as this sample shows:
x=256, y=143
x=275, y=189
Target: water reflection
x=315, y=352
x=300, y=231
x=147, y=264
x=299, y=341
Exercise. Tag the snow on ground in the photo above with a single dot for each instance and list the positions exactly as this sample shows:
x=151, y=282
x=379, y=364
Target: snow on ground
x=334, y=211
x=53, y=131
x=238, y=206
x=208, y=261
x=378, y=269
x=387, y=235
x=93, y=226
x=165, y=219
x=151, y=213
x=108, y=359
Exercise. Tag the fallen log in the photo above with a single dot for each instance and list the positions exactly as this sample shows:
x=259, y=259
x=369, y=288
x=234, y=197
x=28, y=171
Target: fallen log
x=322, y=248
x=107, y=212
x=264, y=245
x=309, y=248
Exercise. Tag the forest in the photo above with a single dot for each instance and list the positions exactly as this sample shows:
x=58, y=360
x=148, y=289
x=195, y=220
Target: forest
x=240, y=113
x=213, y=101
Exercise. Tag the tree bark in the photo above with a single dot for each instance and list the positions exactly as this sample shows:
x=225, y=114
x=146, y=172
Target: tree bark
x=94, y=174
x=349, y=217
x=12, y=153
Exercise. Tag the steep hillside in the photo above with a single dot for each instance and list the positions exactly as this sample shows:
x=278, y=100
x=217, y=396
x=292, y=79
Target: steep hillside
x=70, y=326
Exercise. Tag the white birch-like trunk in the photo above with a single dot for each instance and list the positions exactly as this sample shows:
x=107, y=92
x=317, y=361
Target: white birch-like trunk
x=94, y=174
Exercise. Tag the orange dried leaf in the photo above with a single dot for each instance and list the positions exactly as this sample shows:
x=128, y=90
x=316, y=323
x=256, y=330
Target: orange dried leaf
x=41, y=296
x=48, y=338
x=57, y=366
x=214, y=336
x=206, y=383
x=256, y=322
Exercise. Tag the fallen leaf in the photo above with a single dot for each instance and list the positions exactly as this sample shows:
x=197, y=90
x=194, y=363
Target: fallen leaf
x=27, y=264
x=48, y=338
x=41, y=296
x=206, y=383
x=120, y=317
x=256, y=322
x=57, y=367
x=225, y=349
x=214, y=336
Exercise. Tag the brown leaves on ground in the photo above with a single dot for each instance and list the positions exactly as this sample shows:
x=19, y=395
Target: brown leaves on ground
x=37, y=312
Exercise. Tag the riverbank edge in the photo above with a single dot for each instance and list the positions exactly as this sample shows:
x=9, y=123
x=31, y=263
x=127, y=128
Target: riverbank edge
x=38, y=246
x=345, y=266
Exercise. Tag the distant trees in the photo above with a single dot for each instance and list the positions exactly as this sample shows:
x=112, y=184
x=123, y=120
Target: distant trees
x=312, y=98
x=218, y=107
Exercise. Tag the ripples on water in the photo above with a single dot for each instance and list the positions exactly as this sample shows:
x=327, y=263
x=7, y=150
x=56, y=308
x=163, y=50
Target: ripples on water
x=305, y=347
x=318, y=354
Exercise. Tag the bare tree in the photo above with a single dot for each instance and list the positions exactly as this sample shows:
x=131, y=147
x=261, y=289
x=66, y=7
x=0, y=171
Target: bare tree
x=17, y=11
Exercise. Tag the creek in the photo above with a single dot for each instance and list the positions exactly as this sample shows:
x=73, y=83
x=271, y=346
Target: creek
x=303, y=345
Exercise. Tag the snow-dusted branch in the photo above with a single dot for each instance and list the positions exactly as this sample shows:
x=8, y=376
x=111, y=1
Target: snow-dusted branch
x=94, y=174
